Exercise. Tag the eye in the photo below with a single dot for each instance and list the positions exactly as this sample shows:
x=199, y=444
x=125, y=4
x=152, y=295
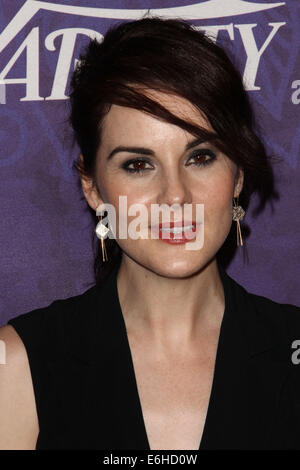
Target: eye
x=138, y=165
x=203, y=157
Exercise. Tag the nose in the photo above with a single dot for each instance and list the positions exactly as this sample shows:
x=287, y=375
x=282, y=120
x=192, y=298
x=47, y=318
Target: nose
x=174, y=189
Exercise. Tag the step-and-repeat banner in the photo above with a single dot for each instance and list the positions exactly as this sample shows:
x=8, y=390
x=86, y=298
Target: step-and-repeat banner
x=45, y=223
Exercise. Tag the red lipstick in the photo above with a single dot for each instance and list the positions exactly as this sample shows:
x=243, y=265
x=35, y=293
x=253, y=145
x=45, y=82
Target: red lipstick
x=176, y=236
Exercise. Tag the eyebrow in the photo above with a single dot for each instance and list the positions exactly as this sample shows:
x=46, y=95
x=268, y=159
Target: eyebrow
x=147, y=151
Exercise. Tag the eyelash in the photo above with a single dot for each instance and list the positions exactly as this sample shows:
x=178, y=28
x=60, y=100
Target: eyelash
x=195, y=154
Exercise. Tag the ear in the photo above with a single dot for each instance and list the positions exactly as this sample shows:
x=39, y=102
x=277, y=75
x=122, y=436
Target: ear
x=90, y=191
x=239, y=181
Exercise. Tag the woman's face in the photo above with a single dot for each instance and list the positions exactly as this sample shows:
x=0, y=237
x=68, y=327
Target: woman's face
x=168, y=175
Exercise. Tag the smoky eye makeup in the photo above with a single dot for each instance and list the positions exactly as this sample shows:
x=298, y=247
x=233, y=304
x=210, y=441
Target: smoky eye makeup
x=138, y=165
x=202, y=153
x=201, y=157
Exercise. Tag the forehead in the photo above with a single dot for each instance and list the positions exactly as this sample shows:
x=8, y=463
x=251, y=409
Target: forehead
x=125, y=123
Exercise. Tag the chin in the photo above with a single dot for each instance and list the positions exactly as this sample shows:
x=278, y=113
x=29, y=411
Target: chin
x=172, y=263
x=173, y=268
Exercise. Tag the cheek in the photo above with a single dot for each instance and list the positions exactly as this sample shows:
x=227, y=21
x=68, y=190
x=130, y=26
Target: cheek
x=134, y=189
x=124, y=197
x=218, y=199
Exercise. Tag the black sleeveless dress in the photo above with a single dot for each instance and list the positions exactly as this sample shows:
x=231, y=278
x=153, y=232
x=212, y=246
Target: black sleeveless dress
x=85, y=386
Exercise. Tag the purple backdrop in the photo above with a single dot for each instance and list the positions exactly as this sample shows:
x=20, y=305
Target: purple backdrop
x=45, y=232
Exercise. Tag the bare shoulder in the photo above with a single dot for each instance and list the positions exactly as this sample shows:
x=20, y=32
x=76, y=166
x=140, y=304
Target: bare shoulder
x=19, y=422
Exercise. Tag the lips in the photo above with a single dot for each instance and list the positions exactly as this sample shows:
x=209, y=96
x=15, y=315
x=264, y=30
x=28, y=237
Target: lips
x=174, y=224
x=175, y=232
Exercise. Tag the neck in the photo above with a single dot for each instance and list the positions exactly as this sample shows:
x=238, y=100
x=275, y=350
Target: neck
x=171, y=312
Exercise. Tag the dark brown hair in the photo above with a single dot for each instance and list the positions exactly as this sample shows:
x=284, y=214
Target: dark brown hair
x=170, y=56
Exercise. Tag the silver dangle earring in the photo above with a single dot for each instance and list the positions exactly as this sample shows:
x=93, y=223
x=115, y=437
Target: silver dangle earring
x=101, y=230
x=237, y=215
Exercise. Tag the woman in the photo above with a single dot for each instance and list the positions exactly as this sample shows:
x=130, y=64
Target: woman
x=166, y=351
